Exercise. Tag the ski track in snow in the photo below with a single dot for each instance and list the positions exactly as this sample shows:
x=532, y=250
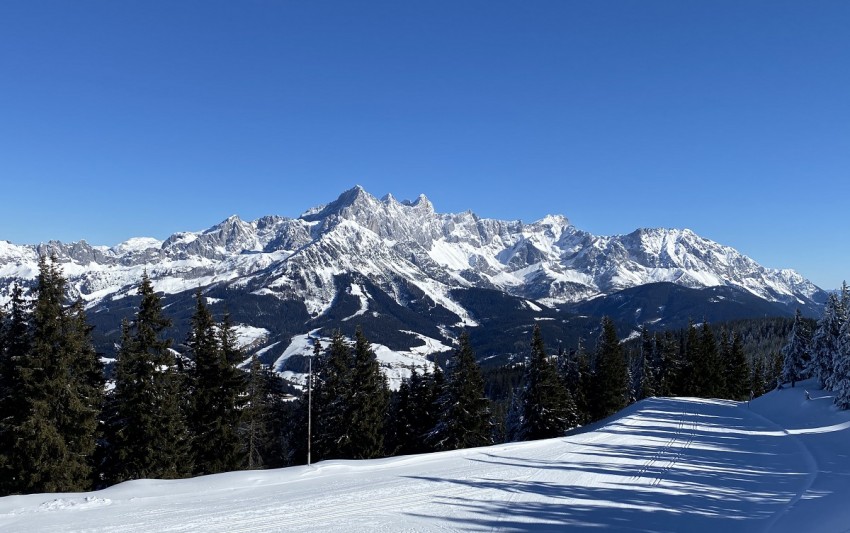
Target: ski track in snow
x=664, y=464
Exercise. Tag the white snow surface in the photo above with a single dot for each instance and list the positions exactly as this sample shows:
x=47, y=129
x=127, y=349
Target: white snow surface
x=396, y=365
x=663, y=464
x=249, y=336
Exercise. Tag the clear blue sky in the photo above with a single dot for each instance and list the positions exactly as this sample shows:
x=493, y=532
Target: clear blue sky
x=143, y=118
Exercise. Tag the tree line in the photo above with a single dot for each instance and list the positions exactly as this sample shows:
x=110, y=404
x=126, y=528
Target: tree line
x=171, y=415
x=167, y=415
x=824, y=353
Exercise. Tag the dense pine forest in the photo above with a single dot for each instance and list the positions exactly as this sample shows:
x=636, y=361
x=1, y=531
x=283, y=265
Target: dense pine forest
x=173, y=414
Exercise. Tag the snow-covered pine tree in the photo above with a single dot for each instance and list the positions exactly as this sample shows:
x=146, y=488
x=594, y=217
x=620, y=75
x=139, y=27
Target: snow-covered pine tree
x=150, y=438
x=548, y=409
x=464, y=419
x=841, y=372
x=795, y=353
x=368, y=403
x=824, y=342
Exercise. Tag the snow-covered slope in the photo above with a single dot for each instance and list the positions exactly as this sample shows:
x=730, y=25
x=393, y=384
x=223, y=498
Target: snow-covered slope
x=392, y=242
x=661, y=465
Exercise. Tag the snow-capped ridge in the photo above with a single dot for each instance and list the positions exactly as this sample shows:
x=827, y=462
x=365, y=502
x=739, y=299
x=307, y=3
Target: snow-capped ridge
x=389, y=241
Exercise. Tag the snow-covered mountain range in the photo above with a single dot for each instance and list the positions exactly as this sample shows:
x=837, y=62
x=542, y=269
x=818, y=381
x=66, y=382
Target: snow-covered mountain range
x=358, y=245
x=385, y=240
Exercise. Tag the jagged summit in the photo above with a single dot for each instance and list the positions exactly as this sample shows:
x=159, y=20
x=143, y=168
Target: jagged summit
x=402, y=243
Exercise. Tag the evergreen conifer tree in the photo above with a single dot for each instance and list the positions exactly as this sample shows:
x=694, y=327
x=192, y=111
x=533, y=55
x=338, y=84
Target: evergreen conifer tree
x=796, y=351
x=824, y=342
x=708, y=378
x=262, y=421
x=368, y=402
x=464, y=419
x=12, y=403
x=331, y=395
x=649, y=371
x=611, y=375
x=232, y=389
x=576, y=376
x=149, y=434
x=757, y=379
x=399, y=423
x=60, y=386
x=686, y=380
x=548, y=409
x=254, y=428
x=6, y=391
x=414, y=413
x=842, y=368
x=217, y=386
x=667, y=366
x=737, y=369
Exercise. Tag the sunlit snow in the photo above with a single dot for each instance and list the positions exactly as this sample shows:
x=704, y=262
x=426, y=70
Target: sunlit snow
x=692, y=465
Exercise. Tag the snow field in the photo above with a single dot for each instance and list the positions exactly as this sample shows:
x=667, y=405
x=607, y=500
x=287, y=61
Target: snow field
x=779, y=464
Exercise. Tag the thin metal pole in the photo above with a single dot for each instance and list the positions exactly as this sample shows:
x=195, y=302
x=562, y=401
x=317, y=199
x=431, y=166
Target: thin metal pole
x=309, y=407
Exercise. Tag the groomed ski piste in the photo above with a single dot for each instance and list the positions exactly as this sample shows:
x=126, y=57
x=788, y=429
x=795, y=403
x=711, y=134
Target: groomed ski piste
x=781, y=463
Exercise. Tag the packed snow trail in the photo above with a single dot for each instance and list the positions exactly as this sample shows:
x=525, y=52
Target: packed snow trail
x=661, y=465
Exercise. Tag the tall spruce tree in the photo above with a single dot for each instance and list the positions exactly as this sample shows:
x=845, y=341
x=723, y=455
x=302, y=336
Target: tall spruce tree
x=12, y=404
x=737, y=370
x=254, y=427
x=368, y=402
x=648, y=384
x=795, y=353
x=575, y=374
x=708, y=376
x=59, y=383
x=414, y=413
x=687, y=378
x=548, y=409
x=464, y=419
x=611, y=385
x=232, y=387
x=5, y=394
x=331, y=395
x=669, y=363
x=399, y=432
x=217, y=386
x=149, y=434
x=757, y=387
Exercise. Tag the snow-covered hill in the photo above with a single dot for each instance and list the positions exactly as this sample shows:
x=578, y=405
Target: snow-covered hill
x=663, y=464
